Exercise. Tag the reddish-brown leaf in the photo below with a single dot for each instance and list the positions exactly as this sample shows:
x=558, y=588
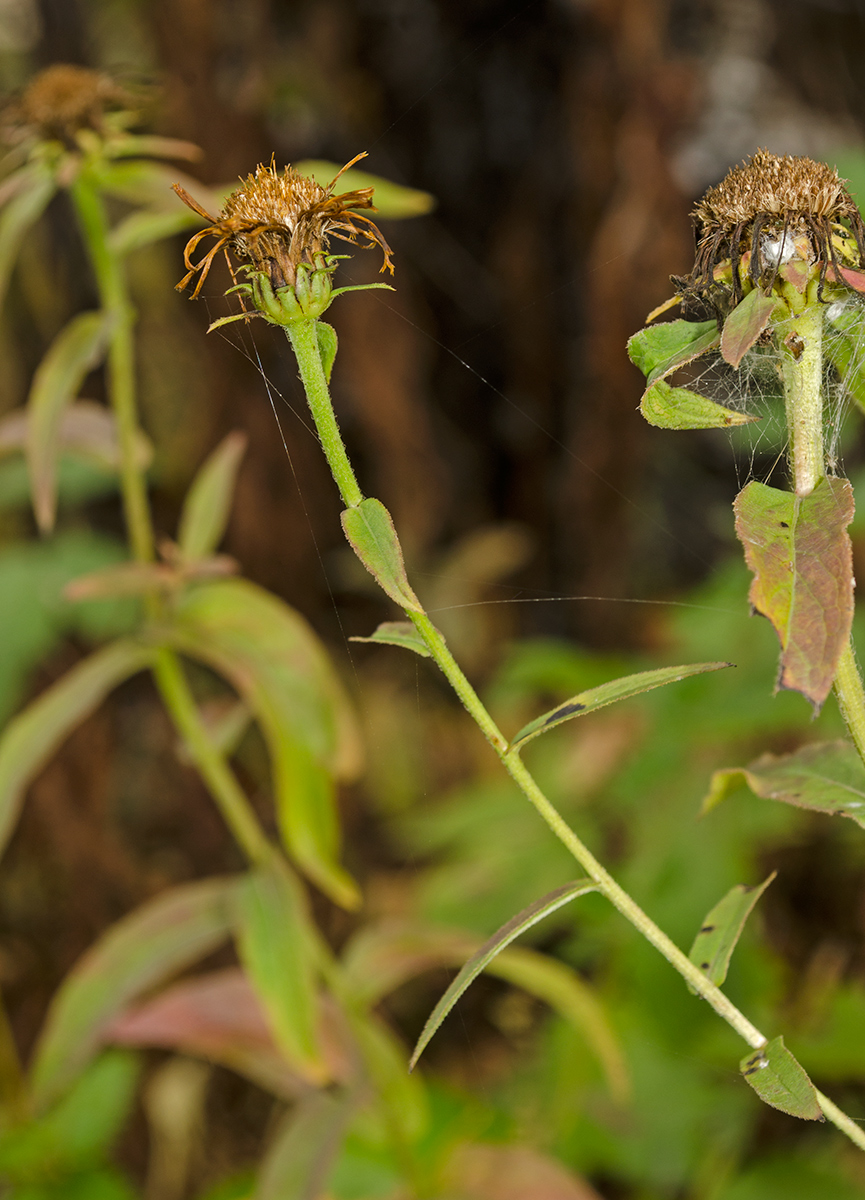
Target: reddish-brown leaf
x=744, y=325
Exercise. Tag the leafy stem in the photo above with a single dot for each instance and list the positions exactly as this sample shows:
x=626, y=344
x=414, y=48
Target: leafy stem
x=303, y=339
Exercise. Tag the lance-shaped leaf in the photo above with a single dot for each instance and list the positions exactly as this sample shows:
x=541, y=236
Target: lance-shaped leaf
x=800, y=553
x=825, y=777
x=86, y=429
x=391, y=200
x=150, y=945
x=275, y=944
x=397, y=633
x=493, y=946
x=714, y=944
x=745, y=324
x=780, y=1081
x=142, y=228
x=297, y=1164
x=328, y=344
x=659, y=349
x=208, y=501
x=669, y=407
x=371, y=534
x=609, y=693
x=22, y=211
x=31, y=738
x=76, y=350
x=274, y=660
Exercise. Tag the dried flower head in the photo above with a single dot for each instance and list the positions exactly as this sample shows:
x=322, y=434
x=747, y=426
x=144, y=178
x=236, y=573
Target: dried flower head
x=280, y=221
x=60, y=101
x=767, y=210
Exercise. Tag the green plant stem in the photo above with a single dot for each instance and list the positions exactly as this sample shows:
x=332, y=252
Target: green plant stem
x=802, y=372
x=851, y=697
x=121, y=361
x=168, y=672
x=309, y=361
x=304, y=343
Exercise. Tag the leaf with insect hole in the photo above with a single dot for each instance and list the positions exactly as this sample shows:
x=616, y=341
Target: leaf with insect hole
x=668, y=407
x=780, y=1081
x=721, y=929
x=801, y=556
x=825, y=777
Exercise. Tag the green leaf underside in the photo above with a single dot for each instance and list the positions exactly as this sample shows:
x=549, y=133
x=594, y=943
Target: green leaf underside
x=609, y=693
x=390, y=199
x=744, y=325
x=208, y=501
x=500, y=939
x=76, y=350
x=149, y=945
x=669, y=407
x=274, y=944
x=659, y=349
x=800, y=554
x=825, y=777
x=328, y=344
x=398, y=633
x=30, y=738
x=721, y=929
x=780, y=1081
x=298, y=1161
x=371, y=534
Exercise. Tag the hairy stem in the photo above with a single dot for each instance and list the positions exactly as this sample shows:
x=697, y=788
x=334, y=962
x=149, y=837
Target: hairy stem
x=802, y=372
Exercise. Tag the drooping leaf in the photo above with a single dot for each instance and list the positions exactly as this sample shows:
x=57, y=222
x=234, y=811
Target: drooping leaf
x=669, y=407
x=780, y=1081
x=30, y=738
x=825, y=777
x=327, y=346
x=76, y=350
x=144, y=227
x=391, y=200
x=297, y=1163
x=853, y=278
x=371, y=534
x=659, y=349
x=800, y=553
x=86, y=429
x=208, y=502
x=722, y=927
x=397, y=633
x=22, y=211
x=493, y=946
x=274, y=941
x=273, y=659
x=150, y=145
x=144, y=948
x=609, y=693
x=745, y=324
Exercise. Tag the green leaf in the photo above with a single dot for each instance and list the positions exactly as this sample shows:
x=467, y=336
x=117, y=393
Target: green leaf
x=31, y=738
x=142, y=228
x=391, y=199
x=79, y=1129
x=493, y=946
x=679, y=408
x=824, y=777
x=22, y=211
x=844, y=352
x=297, y=1164
x=398, y=633
x=146, y=947
x=77, y=349
x=659, y=349
x=800, y=553
x=609, y=693
x=327, y=346
x=780, y=1081
x=208, y=502
x=400, y=1095
x=745, y=324
x=721, y=929
x=371, y=534
x=274, y=941
x=274, y=660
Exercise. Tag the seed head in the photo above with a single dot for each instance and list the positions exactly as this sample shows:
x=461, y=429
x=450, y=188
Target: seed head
x=60, y=101
x=279, y=221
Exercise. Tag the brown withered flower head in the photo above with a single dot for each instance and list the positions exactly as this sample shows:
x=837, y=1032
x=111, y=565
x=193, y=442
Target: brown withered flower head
x=762, y=213
x=279, y=221
x=62, y=100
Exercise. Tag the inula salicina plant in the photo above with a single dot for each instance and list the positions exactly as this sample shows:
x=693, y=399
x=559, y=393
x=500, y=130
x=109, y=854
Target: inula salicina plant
x=774, y=295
